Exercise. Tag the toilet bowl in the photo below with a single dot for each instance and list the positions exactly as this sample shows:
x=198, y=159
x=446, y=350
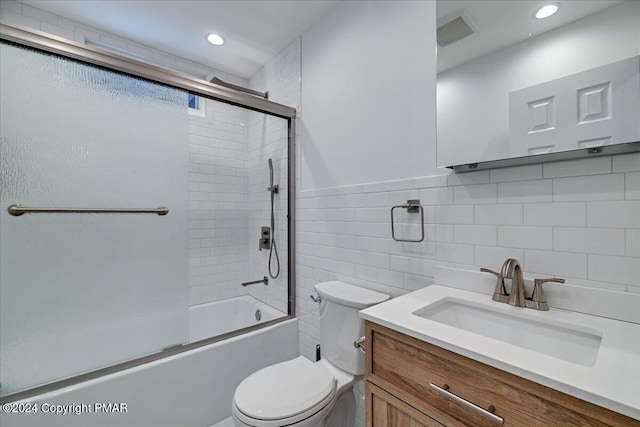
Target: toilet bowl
x=296, y=392
x=302, y=393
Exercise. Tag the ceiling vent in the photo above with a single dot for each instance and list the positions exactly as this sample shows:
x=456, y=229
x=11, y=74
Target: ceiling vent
x=456, y=27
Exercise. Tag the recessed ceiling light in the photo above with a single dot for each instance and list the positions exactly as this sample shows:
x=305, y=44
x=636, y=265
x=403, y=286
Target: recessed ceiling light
x=215, y=39
x=546, y=11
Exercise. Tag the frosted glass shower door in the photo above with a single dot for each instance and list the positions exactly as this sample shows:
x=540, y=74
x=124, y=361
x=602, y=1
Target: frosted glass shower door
x=84, y=291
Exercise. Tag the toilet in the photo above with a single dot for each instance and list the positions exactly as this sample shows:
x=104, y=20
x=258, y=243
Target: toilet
x=302, y=393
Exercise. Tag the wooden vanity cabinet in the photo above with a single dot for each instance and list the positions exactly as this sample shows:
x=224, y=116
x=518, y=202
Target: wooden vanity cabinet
x=403, y=373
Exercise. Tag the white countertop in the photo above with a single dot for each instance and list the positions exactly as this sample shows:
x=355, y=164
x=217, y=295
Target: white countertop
x=612, y=382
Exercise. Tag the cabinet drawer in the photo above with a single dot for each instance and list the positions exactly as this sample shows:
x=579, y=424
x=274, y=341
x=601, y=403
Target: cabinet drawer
x=385, y=410
x=406, y=367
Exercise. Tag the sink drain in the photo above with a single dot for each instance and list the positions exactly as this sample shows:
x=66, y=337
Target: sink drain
x=258, y=315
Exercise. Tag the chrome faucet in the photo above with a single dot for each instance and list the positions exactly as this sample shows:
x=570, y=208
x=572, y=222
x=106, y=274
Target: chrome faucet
x=511, y=269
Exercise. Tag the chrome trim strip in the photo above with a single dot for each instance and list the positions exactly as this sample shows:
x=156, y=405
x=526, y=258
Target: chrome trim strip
x=56, y=385
x=580, y=153
x=70, y=49
x=291, y=220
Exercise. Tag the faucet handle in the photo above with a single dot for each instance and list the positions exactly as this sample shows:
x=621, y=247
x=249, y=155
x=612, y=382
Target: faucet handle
x=495, y=273
x=538, y=299
x=500, y=292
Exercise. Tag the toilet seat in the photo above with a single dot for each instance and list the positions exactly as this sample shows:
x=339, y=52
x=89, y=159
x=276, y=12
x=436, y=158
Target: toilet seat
x=284, y=393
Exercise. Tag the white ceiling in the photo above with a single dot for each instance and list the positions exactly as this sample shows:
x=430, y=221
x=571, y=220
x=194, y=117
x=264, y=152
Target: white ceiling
x=254, y=31
x=502, y=23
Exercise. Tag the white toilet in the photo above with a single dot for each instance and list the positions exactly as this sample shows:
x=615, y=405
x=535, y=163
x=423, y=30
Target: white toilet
x=301, y=393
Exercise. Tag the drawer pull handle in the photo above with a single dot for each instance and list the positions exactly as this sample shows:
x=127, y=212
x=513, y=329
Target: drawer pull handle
x=489, y=414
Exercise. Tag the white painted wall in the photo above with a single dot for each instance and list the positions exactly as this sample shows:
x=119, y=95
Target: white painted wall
x=368, y=110
x=473, y=99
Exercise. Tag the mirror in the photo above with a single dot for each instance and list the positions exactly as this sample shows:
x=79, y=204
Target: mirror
x=516, y=86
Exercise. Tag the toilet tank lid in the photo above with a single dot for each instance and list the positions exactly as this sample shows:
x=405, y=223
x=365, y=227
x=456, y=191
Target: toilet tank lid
x=349, y=295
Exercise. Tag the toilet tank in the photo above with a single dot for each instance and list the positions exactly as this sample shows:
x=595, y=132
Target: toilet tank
x=340, y=324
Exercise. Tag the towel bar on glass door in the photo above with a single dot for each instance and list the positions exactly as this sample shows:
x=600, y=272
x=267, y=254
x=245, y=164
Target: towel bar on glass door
x=412, y=206
x=17, y=210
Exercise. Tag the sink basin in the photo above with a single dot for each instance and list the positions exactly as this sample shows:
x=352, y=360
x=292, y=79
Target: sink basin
x=572, y=343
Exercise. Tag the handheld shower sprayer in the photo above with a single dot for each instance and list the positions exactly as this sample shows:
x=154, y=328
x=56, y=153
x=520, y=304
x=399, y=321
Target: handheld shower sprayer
x=273, y=189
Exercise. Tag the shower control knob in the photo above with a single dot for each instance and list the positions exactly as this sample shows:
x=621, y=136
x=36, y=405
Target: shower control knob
x=265, y=238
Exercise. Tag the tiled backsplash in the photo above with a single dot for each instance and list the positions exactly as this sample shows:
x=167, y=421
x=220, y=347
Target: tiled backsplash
x=577, y=219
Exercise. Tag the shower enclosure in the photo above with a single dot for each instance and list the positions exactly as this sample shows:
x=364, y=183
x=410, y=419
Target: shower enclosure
x=124, y=212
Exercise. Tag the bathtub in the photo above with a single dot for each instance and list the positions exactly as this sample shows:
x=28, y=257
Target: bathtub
x=220, y=317
x=191, y=389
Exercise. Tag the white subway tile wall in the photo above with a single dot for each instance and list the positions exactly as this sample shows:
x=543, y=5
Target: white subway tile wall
x=588, y=242
x=626, y=162
x=632, y=185
x=556, y=214
x=595, y=166
x=525, y=191
x=519, y=173
x=218, y=202
x=586, y=188
x=623, y=214
x=268, y=139
x=633, y=243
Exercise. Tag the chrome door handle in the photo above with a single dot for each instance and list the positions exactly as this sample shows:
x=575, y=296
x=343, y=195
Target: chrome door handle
x=488, y=414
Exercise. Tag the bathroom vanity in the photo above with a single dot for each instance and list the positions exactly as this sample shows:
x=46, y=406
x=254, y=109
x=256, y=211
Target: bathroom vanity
x=424, y=366
x=404, y=374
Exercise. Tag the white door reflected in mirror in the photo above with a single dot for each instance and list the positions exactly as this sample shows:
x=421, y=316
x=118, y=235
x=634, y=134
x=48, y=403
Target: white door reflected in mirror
x=511, y=52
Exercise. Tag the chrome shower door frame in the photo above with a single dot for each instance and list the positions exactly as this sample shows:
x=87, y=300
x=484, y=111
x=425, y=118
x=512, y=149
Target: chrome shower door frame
x=66, y=48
